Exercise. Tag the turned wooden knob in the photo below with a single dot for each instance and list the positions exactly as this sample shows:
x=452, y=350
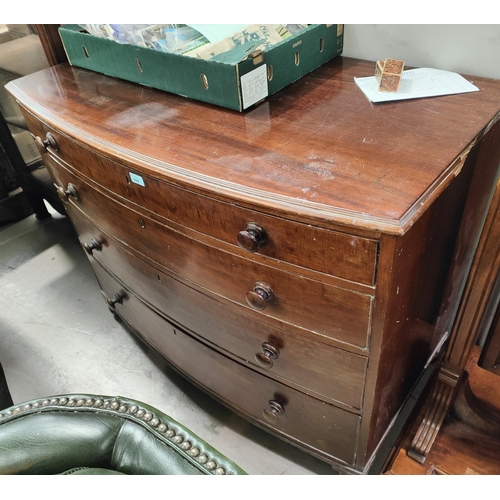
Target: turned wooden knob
x=64, y=194
x=268, y=354
x=273, y=413
x=260, y=295
x=251, y=238
x=116, y=299
x=93, y=245
x=44, y=144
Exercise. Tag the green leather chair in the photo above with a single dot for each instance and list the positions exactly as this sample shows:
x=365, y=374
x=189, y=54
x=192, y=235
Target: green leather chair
x=91, y=434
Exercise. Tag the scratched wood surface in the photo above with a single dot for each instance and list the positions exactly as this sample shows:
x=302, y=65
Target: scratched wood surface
x=319, y=145
x=364, y=207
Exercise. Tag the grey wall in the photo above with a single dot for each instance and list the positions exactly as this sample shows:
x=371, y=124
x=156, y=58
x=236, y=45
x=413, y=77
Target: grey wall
x=472, y=49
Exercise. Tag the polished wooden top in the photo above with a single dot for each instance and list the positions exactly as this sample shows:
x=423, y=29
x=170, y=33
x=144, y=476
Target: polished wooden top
x=316, y=149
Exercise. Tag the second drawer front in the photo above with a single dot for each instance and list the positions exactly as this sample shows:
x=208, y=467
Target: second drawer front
x=329, y=372
x=308, y=304
x=323, y=428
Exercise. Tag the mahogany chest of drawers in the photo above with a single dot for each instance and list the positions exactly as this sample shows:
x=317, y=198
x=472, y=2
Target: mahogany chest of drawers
x=301, y=261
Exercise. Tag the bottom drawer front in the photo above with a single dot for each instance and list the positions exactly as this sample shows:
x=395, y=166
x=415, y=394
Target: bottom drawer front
x=320, y=427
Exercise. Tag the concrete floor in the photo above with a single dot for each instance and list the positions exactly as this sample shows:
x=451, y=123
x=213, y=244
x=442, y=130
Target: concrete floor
x=57, y=336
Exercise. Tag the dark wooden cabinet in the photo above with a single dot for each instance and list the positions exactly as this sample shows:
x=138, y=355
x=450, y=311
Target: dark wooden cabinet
x=456, y=429
x=491, y=353
x=300, y=261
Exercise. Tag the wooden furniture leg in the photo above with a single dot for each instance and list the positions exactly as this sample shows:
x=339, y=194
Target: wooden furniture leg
x=468, y=438
x=434, y=411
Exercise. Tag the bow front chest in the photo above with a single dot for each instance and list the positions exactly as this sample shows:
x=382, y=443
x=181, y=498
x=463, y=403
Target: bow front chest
x=300, y=261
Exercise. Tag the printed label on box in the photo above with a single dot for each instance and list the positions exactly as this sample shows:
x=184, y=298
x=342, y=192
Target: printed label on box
x=254, y=86
x=137, y=179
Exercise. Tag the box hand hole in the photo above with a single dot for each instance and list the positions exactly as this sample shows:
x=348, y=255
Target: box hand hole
x=321, y=44
x=204, y=81
x=139, y=66
x=270, y=73
x=297, y=58
x=85, y=52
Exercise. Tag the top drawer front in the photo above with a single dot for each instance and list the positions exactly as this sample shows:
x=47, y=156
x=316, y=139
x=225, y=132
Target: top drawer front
x=334, y=253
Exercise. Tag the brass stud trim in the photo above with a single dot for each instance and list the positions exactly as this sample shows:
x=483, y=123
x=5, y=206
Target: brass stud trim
x=134, y=411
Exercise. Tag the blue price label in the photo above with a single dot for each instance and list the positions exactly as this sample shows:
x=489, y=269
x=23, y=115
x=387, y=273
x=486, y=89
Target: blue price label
x=137, y=179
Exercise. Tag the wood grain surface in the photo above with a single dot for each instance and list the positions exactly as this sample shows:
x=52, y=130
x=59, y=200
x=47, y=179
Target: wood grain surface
x=320, y=146
x=372, y=214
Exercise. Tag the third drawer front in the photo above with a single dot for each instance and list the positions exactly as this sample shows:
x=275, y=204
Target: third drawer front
x=331, y=373
x=306, y=421
x=309, y=304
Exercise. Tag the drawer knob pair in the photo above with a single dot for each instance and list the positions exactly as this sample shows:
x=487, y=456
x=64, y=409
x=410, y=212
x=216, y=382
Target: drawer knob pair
x=93, y=245
x=260, y=295
x=273, y=413
x=268, y=354
x=251, y=238
x=49, y=141
x=64, y=194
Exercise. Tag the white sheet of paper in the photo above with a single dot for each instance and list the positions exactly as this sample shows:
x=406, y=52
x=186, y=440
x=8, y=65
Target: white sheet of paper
x=216, y=32
x=418, y=83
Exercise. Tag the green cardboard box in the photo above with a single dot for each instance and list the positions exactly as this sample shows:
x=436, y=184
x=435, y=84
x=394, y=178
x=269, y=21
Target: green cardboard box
x=237, y=82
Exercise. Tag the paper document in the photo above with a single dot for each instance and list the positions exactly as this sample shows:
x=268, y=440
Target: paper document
x=216, y=32
x=418, y=83
x=246, y=40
